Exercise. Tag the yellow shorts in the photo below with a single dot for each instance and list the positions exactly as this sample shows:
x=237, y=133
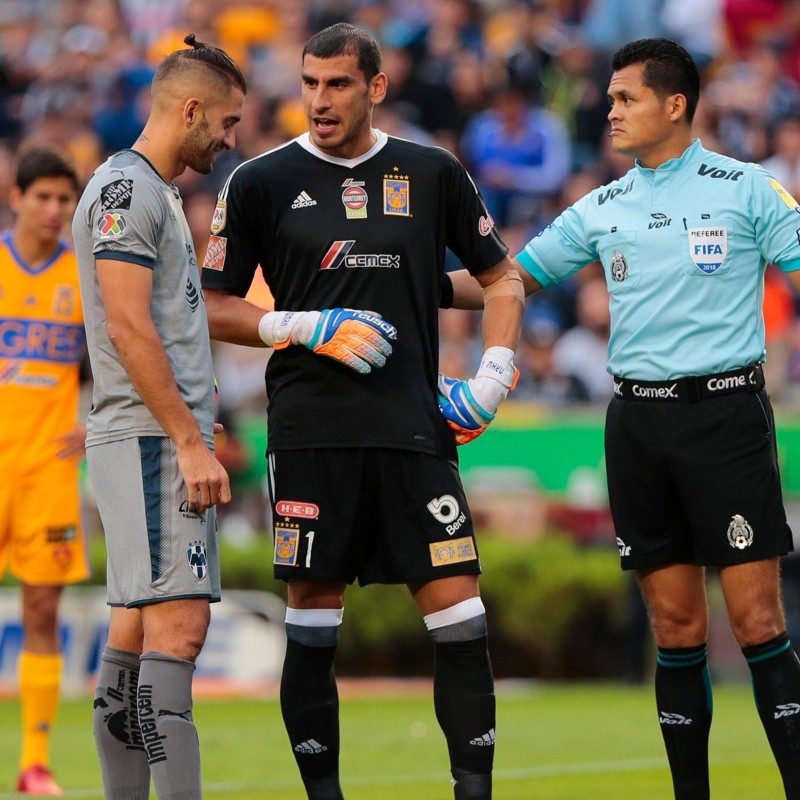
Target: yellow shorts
x=41, y=537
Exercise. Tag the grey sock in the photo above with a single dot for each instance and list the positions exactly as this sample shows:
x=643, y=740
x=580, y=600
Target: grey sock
x=168, y=732
x=123, y=761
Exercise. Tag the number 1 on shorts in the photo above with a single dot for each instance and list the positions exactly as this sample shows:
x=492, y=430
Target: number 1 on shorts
x=310, y=537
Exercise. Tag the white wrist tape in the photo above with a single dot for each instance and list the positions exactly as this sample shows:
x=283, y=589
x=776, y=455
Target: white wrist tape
x=498, y=363
x=281, y=328
x=494, y=378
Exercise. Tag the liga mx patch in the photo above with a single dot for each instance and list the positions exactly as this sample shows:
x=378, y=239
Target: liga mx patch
x=452, y=552
x=215, y=253
x=396, y=200
x=219, y=218
x=287, y=538
x=112, y=225
x=198, y=560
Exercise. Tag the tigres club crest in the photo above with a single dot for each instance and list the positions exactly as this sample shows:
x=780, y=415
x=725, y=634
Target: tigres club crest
x=287, y=538
x=198, y=562
x=619, y=267
x=396, y=196
x=740, y=534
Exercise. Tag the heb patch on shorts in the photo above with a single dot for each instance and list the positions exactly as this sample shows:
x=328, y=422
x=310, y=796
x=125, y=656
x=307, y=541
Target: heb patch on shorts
x=708, y=248
x=297, y=508
x=287, y=538
x=453, y=551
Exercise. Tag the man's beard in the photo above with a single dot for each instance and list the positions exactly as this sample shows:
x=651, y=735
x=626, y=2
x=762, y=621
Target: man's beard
x=196, y=152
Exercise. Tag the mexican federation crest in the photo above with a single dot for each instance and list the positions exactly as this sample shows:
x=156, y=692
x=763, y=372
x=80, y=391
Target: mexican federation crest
x=619, y=267
x=740, y=534
x=198, y=561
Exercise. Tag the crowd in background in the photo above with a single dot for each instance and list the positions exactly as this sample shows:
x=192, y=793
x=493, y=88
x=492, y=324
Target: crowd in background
x=516, y=88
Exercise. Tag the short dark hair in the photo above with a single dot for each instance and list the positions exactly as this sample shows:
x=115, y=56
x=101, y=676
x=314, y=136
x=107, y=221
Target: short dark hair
x=213, y=57
x=43, y=162
x=345, y=39
x=668, y=69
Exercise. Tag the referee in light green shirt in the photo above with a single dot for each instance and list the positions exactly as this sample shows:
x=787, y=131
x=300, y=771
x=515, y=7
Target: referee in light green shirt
x=693, y=479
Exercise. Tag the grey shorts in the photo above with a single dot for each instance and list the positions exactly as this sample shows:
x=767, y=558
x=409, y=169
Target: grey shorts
x=156, y=548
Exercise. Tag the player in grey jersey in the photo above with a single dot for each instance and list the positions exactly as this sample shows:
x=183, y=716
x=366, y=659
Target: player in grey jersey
x=151, y=429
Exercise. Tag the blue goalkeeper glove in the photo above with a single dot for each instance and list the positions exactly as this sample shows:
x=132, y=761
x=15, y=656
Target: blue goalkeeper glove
x=469, y=406
x=358, y=339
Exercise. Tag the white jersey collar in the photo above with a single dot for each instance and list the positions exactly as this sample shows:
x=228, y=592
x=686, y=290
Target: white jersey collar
x=304, y=140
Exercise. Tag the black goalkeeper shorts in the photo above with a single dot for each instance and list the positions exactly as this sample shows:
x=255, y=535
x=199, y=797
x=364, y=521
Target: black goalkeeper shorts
x=378, y=515
x=695, y=482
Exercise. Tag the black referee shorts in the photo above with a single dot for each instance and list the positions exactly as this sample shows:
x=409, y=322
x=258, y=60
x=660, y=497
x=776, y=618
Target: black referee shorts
x=695, y=482
x=379, y=515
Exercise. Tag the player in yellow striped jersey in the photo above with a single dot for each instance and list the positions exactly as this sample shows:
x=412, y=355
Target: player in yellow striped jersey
x=41, y=441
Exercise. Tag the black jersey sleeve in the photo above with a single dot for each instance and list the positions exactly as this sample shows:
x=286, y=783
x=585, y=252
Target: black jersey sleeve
x=237, y=229
x=446, y=295
x=471, y=233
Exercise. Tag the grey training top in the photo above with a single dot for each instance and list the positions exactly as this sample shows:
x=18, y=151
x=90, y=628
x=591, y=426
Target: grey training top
x=128, y=213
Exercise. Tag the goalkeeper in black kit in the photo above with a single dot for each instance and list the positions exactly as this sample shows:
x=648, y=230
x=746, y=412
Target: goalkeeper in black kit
x=349, y=227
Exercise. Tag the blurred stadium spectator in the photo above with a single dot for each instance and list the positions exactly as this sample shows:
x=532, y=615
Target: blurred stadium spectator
x=514, y=87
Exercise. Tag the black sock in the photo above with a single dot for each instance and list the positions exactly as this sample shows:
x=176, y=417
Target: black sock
x=776, y=685
x=463, y=696
x=310, y=706
x=683, y=697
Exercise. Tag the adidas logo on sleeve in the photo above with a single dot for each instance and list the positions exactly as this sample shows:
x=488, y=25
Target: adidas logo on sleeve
x=303, y=200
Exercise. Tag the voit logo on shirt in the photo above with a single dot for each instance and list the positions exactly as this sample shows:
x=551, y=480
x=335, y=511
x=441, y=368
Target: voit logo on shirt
x=708, y=248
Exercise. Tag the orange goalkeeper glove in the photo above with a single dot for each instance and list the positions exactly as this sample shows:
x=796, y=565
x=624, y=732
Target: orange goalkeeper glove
x=358, y=339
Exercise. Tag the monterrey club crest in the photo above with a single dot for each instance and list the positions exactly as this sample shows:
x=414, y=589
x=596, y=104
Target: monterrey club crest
x=619, y=267
x=198, y=561
x=740, y=534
